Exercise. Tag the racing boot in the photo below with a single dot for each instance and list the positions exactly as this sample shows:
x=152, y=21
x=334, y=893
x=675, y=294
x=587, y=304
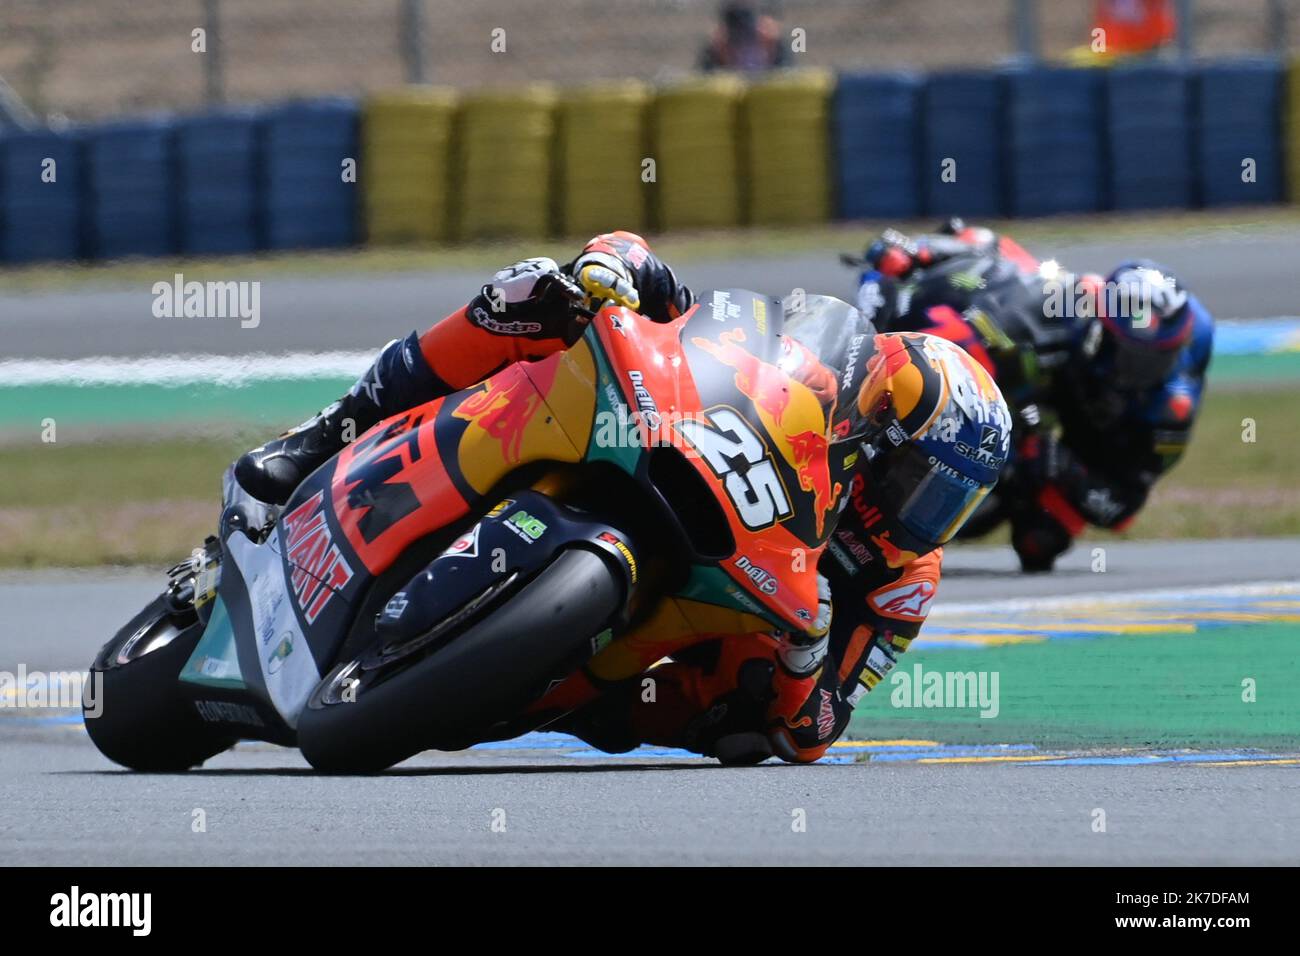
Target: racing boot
x=400, y=378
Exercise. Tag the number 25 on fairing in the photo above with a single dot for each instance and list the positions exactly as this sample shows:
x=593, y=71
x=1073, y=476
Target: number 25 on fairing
x=755, y=490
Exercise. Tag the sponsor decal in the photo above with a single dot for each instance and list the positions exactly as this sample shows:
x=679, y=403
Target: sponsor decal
x=987, y=453
x=644, y=400
x=526, y=526
x=601, y=641
x=465, y=546
x=764, y=580
x=825, y=716
x=879, y=661
x=226, y=712
x=503, y=408
x=952, y=472
x=760, y=316
x=280, y=654
x=396, y=605
x=318, y=569
x=969, y=281
x=946, y=428
x=724, y=310
x=842, y=556
x=500, y=507
x=896, y=435
x=894, y=556
x=851, y=362
x=621, y=547
x=910, y=600
x=867, y=513
x=743, y=599
x=851, y=544
x=484, y=319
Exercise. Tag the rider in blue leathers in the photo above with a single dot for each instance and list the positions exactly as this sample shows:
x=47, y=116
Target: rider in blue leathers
x=1105, y=376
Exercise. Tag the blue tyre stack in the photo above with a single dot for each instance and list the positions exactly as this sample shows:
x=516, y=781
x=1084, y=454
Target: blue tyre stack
x=962, y=130
x=306, y=202
x=1238, y=106
x=131, y=168
x=219, y=172
x=877, y=145
x=42, y=193
x=1149, y=135
x=1056, y=154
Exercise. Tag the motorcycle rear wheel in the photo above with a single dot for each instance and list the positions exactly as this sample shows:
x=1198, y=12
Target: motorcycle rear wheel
x=479, y=677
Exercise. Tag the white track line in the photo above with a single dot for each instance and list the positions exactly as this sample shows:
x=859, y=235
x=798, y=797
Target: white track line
x=184, y=370
x=1262, y=588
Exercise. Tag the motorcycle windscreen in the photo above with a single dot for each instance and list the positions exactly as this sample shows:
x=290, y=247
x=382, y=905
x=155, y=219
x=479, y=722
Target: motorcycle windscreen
x=925, y=495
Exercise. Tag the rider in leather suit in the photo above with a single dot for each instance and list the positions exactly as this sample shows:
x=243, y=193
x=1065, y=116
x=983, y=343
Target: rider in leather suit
x=1104, y=375
x=744, y=697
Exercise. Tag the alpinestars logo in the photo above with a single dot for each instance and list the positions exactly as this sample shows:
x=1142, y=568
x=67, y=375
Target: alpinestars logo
x=318, y=568
x=483, y=319
x=910, y=601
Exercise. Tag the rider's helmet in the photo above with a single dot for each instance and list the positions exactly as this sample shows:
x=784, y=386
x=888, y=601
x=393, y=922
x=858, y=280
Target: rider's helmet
x=937, y=432
x=1140, y=325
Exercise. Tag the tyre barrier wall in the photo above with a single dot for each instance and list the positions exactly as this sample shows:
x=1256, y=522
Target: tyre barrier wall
x=431, y=165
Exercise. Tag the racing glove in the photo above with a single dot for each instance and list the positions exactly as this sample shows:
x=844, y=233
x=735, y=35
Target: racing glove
x=606, y=278
x=531, y=298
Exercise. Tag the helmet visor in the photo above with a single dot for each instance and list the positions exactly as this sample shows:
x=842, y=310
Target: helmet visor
x=927, y=497
x=1136, y=366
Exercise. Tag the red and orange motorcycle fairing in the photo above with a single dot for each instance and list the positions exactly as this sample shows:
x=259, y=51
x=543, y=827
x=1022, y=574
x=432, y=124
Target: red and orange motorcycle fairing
x=426, y=468
x=710, y=383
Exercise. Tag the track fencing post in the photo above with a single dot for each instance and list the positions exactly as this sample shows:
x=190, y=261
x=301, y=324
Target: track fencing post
x=213, y=77
x=411, y=41
x=1185, y=10
x=1025, y=27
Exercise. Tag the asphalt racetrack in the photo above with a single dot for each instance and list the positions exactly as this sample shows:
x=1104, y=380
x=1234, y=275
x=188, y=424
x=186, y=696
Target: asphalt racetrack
x=549, y=800
x=1236, y=276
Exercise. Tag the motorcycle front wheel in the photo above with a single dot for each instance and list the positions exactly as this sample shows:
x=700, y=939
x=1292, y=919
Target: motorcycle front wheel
x=480, y=676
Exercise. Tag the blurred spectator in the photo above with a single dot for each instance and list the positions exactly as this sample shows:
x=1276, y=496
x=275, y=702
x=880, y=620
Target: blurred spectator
x=1134, y=27
x=743, y=39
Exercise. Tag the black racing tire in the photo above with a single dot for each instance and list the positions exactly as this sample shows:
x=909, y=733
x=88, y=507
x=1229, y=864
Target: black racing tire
x=145, y=721
x=481, y=676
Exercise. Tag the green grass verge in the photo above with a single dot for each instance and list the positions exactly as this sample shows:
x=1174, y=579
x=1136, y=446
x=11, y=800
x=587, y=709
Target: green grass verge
x=130, y=500
x=1157, y=690
x=826, y=238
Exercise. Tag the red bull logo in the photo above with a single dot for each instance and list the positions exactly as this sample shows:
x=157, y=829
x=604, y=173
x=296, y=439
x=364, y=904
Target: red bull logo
x=810, y=463
x=894, y=556
x=503, y=409
x=763, y=383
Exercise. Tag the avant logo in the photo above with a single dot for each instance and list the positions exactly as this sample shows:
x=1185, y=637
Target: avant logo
x=318, y=567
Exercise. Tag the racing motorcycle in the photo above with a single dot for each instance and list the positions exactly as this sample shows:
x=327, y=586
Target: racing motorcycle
x=437, y=582
x=996, y=308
